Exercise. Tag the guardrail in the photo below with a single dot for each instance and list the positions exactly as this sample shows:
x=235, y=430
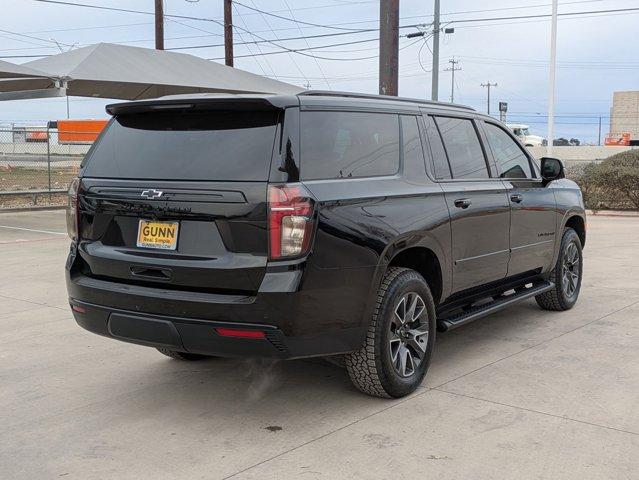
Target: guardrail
x=35, y=167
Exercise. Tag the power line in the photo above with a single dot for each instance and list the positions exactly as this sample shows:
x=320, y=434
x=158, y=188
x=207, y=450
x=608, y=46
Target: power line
x=34, y=38
x=286, y=50
x=607, y=62
x=544, y=15
x=308, y=45
x=300, y=27
x=317, y=47
x=259, y=48
x=270, y=14
x=186, y=17
x=307, y=37
x=523, y=7
x=300, y=51
x=249, y=49
x=95, y=27
x=419, y=54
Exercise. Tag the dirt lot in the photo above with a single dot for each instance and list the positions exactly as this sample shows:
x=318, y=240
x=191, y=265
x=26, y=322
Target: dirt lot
x=523, y=394
x=23, y=178
x=13, y=179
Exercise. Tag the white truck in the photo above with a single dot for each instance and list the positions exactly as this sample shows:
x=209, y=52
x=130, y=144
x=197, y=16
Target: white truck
x=522, y=131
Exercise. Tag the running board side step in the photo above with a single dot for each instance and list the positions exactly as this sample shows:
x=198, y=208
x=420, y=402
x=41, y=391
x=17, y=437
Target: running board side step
x=500, y=303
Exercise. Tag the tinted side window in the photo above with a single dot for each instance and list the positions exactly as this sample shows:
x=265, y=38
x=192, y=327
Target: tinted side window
x=512, y=161
x=464, y=151
x=348, y=144
x=440, y=162
x=412, y=144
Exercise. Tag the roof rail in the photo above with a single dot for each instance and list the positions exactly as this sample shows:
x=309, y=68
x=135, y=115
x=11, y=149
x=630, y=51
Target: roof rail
x=331, y=93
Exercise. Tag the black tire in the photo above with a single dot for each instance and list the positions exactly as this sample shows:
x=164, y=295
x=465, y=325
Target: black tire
x=182, y=355
x=373, y=368
x=566, y=291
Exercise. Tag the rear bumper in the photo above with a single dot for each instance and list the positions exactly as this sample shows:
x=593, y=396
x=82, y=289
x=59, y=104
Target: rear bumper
x=297, y=322
x=200, y=336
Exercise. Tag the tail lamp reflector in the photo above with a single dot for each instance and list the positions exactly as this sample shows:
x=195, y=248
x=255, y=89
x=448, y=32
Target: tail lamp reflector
x=236, y=333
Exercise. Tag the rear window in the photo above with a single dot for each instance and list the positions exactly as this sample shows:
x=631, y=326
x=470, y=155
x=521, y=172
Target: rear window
x=186, y=146
x=348, y=145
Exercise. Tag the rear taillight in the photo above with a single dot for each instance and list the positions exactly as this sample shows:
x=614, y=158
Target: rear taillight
x=72, y=209
x=290, y=220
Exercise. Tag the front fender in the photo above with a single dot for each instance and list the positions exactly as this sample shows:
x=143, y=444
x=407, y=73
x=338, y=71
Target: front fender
x=569, y=204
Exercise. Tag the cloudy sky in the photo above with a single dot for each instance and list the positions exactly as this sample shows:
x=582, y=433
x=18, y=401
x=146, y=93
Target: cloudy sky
x=596, y=52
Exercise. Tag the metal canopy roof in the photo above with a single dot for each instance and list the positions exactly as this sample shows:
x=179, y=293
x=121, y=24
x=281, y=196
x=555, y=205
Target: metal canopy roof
x=107, y=70
x=19, y=82
x=10, y=70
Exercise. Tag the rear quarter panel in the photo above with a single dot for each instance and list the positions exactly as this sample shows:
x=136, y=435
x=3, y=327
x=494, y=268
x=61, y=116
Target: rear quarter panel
x=359, y=233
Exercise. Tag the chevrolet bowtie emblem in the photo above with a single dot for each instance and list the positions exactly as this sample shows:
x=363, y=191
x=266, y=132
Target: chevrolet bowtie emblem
x=151, y=193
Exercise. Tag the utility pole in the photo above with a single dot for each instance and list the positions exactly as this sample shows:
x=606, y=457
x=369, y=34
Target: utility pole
x=435, y=71
x=159, y=25
x=228, y=33
x=488, y=85
x=599, y=135
x=452, y=69
x=551, y=82
x=388, y=47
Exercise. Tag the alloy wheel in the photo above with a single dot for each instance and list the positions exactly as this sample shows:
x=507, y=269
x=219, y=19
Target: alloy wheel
x=570, y=270
x=408, y=334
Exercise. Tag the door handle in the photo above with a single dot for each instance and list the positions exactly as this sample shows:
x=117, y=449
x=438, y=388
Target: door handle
x=463, y=203
x=517, y=197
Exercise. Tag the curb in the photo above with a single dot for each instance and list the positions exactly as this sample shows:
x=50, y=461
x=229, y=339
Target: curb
x=31, y=209
x=613, y=213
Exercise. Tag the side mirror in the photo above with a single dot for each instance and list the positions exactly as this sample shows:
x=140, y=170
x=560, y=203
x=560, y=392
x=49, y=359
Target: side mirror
x=551, y=169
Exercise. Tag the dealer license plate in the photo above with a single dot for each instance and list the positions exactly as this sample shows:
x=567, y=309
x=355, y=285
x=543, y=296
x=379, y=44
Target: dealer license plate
x=162, y=235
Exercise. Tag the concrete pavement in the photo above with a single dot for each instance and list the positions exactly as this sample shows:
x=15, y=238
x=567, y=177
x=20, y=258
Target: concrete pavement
x=521, y=394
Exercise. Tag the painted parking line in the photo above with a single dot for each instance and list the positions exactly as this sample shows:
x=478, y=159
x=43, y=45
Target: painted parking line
x=33, y=230
x=29, y=240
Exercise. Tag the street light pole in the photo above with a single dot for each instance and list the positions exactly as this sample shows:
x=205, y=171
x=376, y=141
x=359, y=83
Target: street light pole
x=551, y=83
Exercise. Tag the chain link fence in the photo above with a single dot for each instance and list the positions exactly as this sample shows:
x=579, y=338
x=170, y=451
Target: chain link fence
x=36, y=167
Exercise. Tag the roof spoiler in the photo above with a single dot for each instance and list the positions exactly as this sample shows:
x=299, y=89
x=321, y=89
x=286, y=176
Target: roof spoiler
x=236, y=103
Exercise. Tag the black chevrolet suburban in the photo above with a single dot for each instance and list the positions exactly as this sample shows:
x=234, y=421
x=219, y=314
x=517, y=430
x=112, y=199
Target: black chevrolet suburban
x=316, y=224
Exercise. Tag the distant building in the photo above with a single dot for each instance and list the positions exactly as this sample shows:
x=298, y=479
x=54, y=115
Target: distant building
x=624, y=114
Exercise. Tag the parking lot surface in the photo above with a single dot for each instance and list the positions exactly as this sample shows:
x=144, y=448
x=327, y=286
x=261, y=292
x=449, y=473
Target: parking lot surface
x=520, y=394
